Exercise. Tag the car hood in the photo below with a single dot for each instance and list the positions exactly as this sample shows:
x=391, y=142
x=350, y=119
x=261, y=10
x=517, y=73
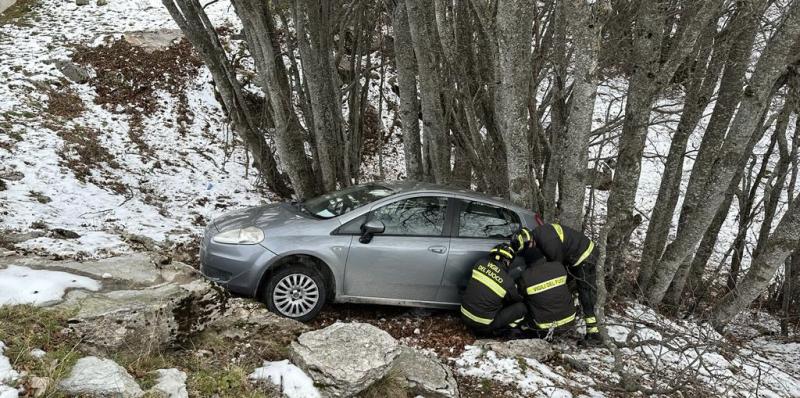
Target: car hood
x=266, y=217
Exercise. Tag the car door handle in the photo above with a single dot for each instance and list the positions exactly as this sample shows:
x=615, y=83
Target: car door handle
x=438, y=249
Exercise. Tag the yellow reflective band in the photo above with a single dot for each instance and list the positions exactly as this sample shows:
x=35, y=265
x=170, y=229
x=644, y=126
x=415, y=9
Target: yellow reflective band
x=559, y=232
x=527, y=233
x=489, y=282
x=557, y=323
x=505, y=253
x=591, y=319
x=592, y=330
x=546, y=285
x=482, y=321
x=521, y=242
x=585, y=254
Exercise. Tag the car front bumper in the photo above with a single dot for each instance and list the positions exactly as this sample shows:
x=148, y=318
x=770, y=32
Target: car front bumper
x=236, y=267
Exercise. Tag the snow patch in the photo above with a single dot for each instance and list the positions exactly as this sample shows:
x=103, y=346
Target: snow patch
x=23, y=285
x=7, y=375
x=293, y=381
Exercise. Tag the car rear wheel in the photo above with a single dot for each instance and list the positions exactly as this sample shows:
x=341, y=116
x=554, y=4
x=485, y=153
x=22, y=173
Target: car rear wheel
x=296, y=292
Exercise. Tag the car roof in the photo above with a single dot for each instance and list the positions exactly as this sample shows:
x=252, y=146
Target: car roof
x=407, y=186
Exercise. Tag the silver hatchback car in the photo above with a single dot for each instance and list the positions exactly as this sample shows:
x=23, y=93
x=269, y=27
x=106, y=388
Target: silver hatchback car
x=396, y=243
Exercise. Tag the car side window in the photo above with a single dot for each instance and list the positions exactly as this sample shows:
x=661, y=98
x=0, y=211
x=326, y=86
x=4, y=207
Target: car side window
x=422, y=216
x=481, y=220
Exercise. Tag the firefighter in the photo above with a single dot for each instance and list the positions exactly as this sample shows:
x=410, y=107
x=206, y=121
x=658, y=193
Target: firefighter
x=576, y=252
x=551, y=308
x=491, y=304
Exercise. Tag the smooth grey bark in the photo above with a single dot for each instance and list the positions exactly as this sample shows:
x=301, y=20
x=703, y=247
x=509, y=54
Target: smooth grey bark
x=314, y=37
x=781, y=243
x=423, y=34
x=691, y=270
x=259, y=31
x=514, y=32
x=586, y=29
x=700, y=88
x=194, y=23
x=772, y=63
x=745, y=24
x=407, y=81
x=651, y=72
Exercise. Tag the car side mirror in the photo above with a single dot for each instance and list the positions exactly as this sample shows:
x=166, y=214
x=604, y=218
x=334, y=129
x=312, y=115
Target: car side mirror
x=369, y=229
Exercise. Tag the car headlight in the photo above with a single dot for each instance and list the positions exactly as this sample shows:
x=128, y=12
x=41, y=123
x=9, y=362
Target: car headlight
x=242, y=236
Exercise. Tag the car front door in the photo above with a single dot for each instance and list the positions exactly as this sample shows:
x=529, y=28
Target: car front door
x=407, y=260
x=478, y=226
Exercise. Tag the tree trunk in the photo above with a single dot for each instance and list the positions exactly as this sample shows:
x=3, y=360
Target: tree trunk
x=194, y=23
x=259, y=31
x=695, y=268
x=314, y=37
x=423, y=34
x=514, y=32
x=781, y=243
x=407, y=81
x=700, y=88
x=586, y=29
x=772, y=63
x=650, y=74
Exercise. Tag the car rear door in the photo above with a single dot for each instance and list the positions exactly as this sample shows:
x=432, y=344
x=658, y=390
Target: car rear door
x=477, y=227
x=407, y=260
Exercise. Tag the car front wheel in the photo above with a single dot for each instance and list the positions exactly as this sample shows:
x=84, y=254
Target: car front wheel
x=296, y=292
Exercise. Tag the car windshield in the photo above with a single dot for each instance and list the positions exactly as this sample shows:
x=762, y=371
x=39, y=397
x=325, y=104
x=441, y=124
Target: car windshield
x=341, y=202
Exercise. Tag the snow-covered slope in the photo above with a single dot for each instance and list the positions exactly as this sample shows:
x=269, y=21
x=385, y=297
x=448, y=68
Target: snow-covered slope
x=191, y=172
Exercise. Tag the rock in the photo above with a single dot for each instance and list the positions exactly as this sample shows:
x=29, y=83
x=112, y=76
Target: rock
x=171, y=383
x=11, y=175
x=129, y=271
x=157, y=317
x=179, y=272
x=345, y=358
x=250, y=320
x=425, y=374
x=3, y=185
x=19, y=237
x=37, y=353
x=153, y=40
x=61, y=233
x=96, y=377
x=102, y=2
x=82, y=2
x=537, y=349
x=5, y=4
x=39, y=385
x=72, y=71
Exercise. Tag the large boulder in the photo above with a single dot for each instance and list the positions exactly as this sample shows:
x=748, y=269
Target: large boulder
x=345, y=358
x=122, y=272
x=425, y=374
x=155, y=317
x=537, y=349
x=97, y=377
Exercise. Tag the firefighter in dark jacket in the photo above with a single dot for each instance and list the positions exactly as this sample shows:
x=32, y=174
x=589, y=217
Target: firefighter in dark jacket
x=551, y=308
x=491, y=304
x=576, y=252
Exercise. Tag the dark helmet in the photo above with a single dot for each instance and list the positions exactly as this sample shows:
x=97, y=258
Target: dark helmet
x=521, y=239
x=502, y=251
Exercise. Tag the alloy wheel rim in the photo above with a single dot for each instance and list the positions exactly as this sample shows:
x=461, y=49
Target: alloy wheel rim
x=295, y=295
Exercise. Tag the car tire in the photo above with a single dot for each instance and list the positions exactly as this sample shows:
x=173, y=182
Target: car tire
x=297, y=292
